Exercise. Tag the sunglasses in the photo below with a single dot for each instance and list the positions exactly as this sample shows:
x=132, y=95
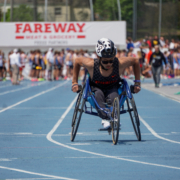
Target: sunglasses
x=106, y=62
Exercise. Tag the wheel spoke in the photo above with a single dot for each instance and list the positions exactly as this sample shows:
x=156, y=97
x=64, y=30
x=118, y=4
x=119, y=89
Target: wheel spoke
x=134, y=117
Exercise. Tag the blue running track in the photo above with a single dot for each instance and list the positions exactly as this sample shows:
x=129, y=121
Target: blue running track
x=35, y=126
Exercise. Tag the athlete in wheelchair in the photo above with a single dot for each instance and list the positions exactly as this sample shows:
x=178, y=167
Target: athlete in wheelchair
x=105, y=90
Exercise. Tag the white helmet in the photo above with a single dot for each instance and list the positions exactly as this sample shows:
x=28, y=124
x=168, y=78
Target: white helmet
x=105, y=48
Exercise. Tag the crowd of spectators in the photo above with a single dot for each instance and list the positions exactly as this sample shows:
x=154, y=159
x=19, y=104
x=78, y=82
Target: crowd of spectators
x=49, y=65
x=58, y=64
x=144, y=51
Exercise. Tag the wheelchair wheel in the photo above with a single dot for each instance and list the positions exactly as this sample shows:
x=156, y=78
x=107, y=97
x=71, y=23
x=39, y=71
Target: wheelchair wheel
x=78, y=110
x=134, y=117
x=116, y=121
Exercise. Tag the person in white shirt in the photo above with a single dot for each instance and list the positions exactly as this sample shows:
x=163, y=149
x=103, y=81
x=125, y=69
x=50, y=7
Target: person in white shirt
x=162, y=42
x=50, y=58
x=15, y=64
x=171, y=46
x=93, y=55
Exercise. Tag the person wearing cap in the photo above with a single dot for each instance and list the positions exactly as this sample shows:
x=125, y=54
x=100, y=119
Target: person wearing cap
x=15, y=64
x=105, y=74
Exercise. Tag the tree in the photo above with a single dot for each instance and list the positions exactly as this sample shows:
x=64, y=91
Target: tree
x=22, y=13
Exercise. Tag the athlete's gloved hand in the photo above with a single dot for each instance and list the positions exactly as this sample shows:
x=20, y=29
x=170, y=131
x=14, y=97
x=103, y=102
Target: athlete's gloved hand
x=137, y=88
x=75, y=87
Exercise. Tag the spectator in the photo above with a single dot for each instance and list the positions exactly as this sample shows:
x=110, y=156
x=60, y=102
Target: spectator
x=172, y=43
x=176, y=63
x=93, y=55
x=156, y=64
x=149, y=42
x=155, y=41
x=14, y=60
x=171, y=63
x=118, y=55
x=22, y=61
x=130, y=44
x=167, y=44
x=50, y=58
x=162, y=42
x=148, y=55
x=1, y=66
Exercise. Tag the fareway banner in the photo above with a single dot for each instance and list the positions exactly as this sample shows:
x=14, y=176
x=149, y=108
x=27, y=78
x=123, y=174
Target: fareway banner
x=61, y=34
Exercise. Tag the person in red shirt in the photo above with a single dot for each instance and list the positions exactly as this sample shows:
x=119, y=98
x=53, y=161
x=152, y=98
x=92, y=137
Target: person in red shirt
x=147, y=69
x=149, y=42
x=148, y=55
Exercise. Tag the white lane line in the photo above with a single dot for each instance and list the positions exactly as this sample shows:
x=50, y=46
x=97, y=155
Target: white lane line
x=154, y=133
x=38, y=174
x=27, y=87
x=160, y=93
x=39, y=108
x=43, y=92
x=8, y=85
x=79, y=144
x=4, y=159
x=49, y=137
x=30, y=178
x=163, y=94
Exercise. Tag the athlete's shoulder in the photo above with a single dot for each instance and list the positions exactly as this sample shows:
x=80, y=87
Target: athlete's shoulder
x=85, y=61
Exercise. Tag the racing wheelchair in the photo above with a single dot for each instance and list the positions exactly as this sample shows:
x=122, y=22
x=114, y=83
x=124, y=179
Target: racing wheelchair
x=86, y=103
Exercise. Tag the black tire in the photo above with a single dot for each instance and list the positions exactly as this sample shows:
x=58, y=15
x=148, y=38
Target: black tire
x=78, y=110
x=116, y=123
x=134, y=117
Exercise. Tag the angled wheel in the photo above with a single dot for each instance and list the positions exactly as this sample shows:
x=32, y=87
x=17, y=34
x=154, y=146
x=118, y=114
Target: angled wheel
x=78, y=110
x=116, y=121
x=134, y=117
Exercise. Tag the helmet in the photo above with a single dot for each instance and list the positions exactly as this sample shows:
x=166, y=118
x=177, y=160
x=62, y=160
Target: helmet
x=105, y=48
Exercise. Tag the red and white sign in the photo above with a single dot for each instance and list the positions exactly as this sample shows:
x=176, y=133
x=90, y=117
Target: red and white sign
x=61, y=34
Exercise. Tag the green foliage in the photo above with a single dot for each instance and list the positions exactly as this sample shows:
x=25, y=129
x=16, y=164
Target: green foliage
x=107, y=10
x=21, y=13
x=127, y=11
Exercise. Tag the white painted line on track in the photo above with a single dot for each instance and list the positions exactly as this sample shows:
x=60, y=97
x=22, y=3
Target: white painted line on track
x=25, y=100
x=79, y=144
x=160, y=93
x=30, y=178
x=4, y=159
x=154, y=133
x=8, y=85
x=163, y=94
x=33, y=173
x=49, y=137
x=27, y=87
x=39, y=108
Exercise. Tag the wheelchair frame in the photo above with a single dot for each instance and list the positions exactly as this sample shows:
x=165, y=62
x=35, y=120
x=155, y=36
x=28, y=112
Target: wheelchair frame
x=125, y=95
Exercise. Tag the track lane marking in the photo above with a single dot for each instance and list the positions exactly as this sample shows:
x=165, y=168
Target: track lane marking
x=154, y=133
x=26, y=87
x=33, y=173
x=49, y=138
x=32, y=97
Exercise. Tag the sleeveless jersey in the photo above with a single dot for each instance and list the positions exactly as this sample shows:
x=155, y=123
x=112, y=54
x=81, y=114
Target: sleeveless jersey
x=105, y=82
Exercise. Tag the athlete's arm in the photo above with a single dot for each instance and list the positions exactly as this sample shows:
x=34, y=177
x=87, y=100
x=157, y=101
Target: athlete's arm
x=88, y=63
x=134, y=62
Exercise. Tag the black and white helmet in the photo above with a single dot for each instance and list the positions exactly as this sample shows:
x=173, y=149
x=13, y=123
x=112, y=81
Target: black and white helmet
x=105, y=48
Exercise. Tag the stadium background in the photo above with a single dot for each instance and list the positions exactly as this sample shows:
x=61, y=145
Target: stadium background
x=142, y=16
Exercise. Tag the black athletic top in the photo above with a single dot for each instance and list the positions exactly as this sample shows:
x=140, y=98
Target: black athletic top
x=156, y=59
x=105, y=82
